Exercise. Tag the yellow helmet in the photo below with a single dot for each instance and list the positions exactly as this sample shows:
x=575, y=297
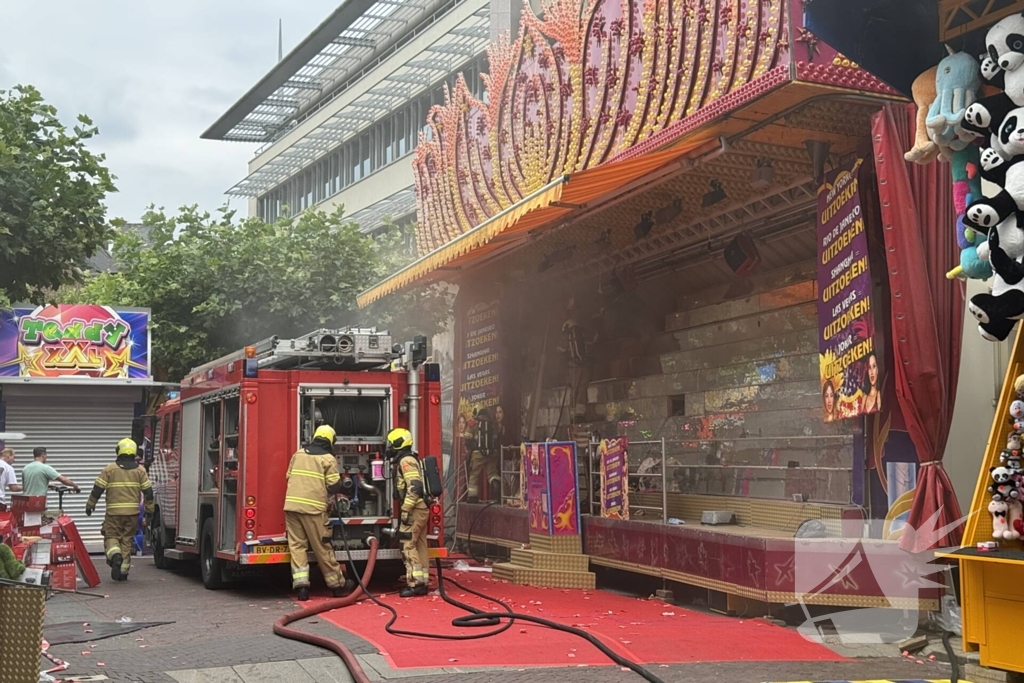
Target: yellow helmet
x=126, y=447
x=325, y=432
x=400, y=438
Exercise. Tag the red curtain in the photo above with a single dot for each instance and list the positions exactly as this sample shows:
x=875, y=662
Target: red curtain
x=918, y=222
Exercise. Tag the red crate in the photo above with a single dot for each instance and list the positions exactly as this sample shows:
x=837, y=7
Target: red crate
x=62, y=552
x=20, y=550
x=32, y=531
x=21, y=503
x=63, y=576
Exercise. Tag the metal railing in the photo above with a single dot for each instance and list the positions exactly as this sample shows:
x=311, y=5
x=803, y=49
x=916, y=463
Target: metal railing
x=644, y=478
x=657, y=473
x=511, y=479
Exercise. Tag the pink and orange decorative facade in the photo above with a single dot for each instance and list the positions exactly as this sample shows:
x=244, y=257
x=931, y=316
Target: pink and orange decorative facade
x=607, y=80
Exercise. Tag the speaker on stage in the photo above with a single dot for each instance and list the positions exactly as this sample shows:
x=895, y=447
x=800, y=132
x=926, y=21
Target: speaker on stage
x=742, y=255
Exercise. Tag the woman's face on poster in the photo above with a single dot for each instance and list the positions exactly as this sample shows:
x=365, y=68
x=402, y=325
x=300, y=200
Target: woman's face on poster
x=872, y=371
x=462, y=423
x=829, y=399
x=499, y=414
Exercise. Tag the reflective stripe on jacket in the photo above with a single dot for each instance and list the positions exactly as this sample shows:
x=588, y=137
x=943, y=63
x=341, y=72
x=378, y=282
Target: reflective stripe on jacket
x=309, y=475
x=409, y=482
x=123, y=485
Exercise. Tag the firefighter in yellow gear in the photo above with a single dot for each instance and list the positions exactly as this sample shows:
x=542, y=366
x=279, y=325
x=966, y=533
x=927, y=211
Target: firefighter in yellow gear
x=412, y=530
x=312, y=477
x=484, y=459
x=124, y=481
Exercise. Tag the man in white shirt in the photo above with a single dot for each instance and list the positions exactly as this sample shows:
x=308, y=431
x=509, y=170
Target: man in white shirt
x=8, y=479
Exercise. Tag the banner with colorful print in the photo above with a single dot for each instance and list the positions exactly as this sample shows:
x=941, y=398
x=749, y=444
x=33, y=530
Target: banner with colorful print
x=563, y=478
x=75, y=341
x=552, y=483
x=850, y=372
x=614, y=458
x=536, y=484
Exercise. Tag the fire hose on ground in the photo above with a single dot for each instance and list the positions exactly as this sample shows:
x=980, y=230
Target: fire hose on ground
x=475, y=618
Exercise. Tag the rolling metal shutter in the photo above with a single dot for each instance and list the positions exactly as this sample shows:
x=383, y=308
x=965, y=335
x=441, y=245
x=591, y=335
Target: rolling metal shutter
x=79, y=436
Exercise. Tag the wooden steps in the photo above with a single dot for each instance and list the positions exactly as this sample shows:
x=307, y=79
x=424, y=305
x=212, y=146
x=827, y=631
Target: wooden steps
x=550, y=561
x=537, y=559
x=548, y=578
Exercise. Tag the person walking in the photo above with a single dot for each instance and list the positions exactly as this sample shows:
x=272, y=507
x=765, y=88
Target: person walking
x=37, y=475
x=124, y=481
x=8, y=478
x=412, y=530
x=312, y=477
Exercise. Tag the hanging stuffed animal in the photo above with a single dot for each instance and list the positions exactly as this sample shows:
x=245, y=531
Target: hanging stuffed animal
x=957, y=81
x=923, y=89
x=954, y=86
x=972, y=266
x=1004, y=44
x=998, y=312
x=1002, y=166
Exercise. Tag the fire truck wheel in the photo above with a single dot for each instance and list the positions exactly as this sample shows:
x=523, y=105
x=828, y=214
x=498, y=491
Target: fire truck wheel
x=158, y=540
x=211, y=566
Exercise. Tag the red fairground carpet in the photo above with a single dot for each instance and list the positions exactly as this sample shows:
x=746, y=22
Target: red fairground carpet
x=646, y=631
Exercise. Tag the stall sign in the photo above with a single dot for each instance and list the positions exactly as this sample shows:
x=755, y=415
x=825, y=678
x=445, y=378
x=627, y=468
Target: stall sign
x=537, y=492
x=614, y=459
x=850, y=370
x=553, y=488
x=75, y=341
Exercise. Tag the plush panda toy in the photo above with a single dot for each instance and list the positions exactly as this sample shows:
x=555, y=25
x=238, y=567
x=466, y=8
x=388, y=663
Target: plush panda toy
x=1004, y=485
x=998, y=312
x=1001, y=67
x=1001, y=165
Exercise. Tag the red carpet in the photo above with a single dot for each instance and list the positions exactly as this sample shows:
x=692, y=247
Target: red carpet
x=646, y=631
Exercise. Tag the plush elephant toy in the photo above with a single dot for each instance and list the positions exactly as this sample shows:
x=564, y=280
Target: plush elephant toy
x=957, y=81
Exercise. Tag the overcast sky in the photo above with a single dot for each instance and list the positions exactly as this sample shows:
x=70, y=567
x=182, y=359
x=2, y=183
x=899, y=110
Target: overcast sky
x=153, y=76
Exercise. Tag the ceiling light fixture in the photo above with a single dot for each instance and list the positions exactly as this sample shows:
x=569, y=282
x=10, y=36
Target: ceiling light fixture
x=716, y=195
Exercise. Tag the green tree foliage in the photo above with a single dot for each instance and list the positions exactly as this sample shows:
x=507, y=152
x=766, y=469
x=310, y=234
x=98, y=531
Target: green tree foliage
x=52, y=216
x=215, y=283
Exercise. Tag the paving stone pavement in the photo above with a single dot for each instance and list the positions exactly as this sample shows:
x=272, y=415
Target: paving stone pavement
x=226, y=637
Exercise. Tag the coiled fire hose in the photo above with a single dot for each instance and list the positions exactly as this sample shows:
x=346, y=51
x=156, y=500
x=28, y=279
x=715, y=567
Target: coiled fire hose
x=475, y=618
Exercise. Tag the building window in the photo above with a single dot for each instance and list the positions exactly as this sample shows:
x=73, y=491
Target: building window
x=384, y=143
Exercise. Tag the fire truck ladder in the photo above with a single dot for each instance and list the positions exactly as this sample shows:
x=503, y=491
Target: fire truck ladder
x=351, y=348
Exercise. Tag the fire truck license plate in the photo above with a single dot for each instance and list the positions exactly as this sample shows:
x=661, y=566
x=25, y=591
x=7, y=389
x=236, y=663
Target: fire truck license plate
x=269, y=549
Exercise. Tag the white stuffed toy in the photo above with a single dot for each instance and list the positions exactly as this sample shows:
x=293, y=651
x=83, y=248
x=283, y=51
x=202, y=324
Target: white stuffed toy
x=1000, y=524
x=1014, y=516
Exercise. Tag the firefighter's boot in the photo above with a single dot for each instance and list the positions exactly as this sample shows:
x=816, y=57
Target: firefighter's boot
x=342, y=591
x=418, y=590
x=303, y=593
x=115, y=567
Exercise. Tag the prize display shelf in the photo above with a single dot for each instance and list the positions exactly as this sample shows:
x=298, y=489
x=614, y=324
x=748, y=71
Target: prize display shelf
x=992, y=597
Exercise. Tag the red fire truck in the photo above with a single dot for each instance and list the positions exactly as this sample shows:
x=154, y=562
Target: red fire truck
x=226, y=441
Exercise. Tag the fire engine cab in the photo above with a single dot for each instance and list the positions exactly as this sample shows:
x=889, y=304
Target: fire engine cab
x=227, y=439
